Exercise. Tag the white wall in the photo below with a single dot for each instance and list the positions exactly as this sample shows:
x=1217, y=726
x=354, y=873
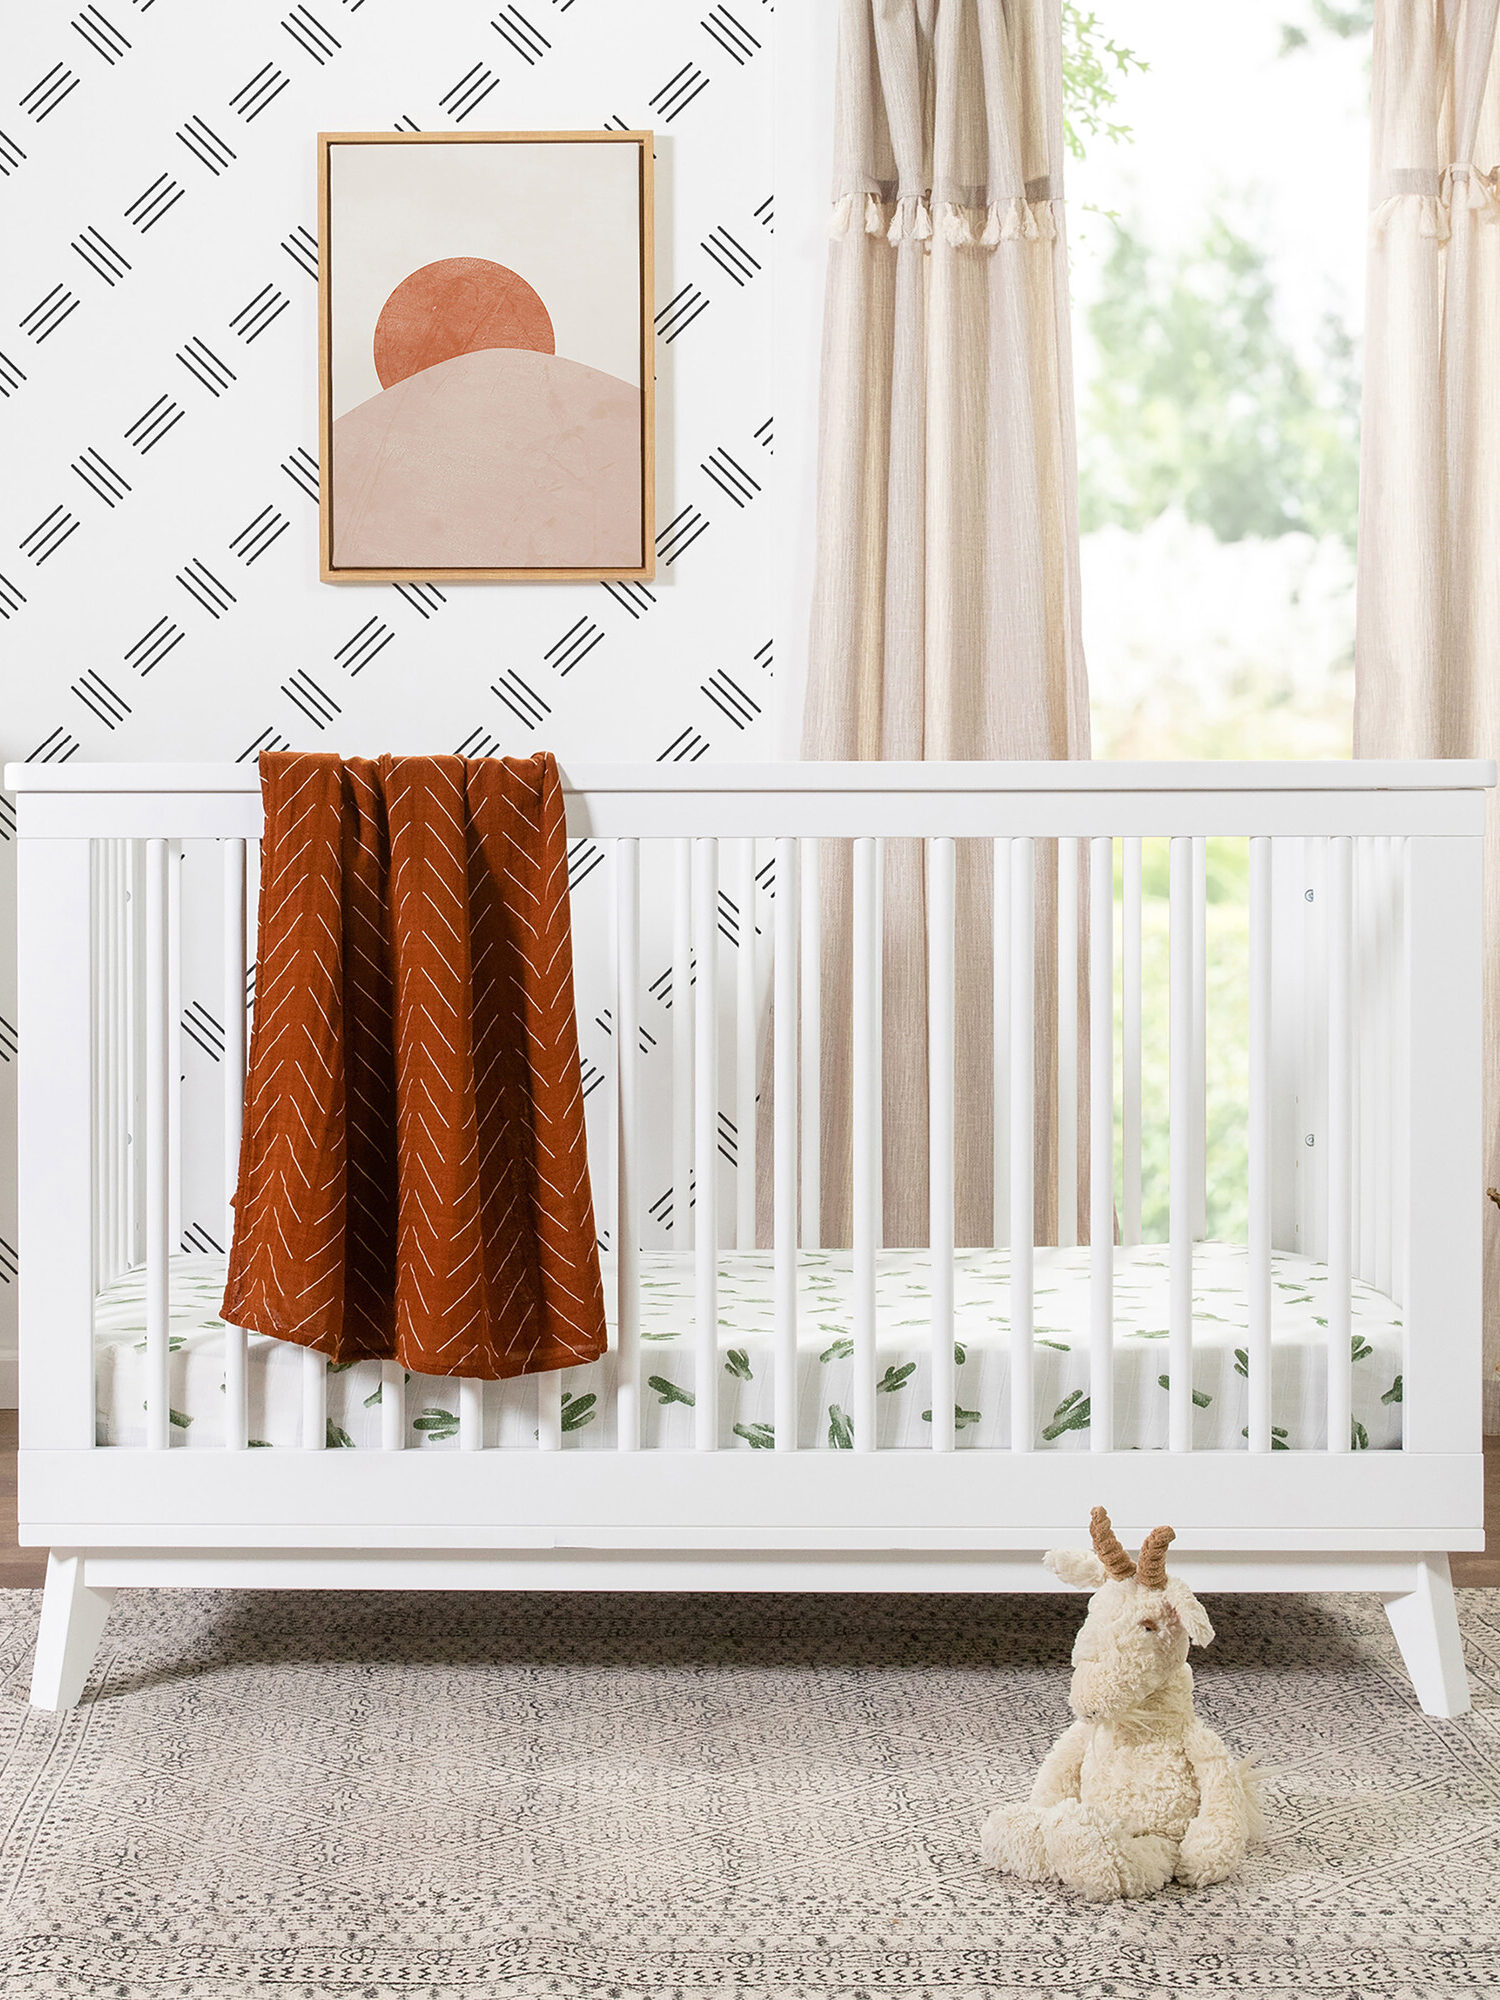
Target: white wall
x=157, y=531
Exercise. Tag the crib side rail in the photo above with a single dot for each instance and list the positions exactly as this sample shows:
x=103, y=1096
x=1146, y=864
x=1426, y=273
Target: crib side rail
x=711, y=820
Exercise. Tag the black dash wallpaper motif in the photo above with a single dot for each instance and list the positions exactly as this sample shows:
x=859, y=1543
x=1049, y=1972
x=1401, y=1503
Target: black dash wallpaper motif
x=158, y=410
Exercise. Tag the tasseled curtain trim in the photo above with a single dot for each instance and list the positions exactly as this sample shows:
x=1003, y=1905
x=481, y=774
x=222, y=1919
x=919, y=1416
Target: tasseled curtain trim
x=1465, y=187
x=915, y=218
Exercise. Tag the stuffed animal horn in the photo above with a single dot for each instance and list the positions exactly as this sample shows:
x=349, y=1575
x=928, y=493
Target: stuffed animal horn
x=1151, y=1570
x=1107, y=1547
x=1138, y=1791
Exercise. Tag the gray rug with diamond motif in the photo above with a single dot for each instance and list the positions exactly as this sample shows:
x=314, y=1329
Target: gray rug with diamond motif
x=367, y=1795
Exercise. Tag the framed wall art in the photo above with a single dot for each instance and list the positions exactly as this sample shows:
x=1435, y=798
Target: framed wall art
x=485, y=379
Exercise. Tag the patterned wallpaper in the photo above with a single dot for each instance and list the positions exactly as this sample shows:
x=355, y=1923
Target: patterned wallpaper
x=158, y=592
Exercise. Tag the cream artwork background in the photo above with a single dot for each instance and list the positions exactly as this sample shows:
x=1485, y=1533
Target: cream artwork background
x=566, y=218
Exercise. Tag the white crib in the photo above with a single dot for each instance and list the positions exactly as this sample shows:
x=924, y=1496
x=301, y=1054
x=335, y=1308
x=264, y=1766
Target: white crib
x=1359, y=1124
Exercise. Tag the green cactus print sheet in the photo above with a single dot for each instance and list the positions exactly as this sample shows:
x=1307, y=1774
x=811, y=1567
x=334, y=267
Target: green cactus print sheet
x=745, y=1380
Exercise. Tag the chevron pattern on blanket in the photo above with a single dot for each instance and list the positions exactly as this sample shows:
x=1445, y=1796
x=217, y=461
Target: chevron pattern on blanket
x=413, y=1180
x=158, y=416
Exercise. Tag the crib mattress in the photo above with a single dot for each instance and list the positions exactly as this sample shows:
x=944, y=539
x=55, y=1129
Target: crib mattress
x=824, y=1362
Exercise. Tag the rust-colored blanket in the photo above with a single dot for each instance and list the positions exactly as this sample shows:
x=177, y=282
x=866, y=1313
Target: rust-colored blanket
x=413, y=1183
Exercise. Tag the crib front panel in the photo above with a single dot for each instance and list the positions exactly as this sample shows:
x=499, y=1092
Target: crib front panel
x=1155, y=1015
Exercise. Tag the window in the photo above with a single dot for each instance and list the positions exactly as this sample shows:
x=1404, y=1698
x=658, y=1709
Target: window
x=1217, y=204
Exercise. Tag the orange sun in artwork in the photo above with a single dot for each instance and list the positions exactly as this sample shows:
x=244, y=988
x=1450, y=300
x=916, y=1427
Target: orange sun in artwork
x=460, y=305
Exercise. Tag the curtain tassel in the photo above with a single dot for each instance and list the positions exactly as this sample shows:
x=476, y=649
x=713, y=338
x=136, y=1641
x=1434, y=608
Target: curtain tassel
x=957, y=229
x=1484, y=191
x=911, y=222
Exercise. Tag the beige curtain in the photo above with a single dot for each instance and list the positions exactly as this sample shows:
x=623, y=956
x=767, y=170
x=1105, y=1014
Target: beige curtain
x=946, y=617
x=1428, y=644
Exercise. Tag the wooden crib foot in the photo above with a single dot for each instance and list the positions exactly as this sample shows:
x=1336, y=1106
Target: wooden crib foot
x=73, y=1615
x=1425, y=1623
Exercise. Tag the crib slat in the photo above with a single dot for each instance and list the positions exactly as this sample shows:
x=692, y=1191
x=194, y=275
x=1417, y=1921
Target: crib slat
x=123, y=1011
x=174, y=1031
x=120, y=1034
x=1369, y=988
x=811, y=977
x=1022, y=1138
x=99, y=945
x=627, y=1128
x=1359, y=1067
x=1367, y=999
x=746, y=1044
x=125, y=1002
x=1258, y=1429
x=1385, y=1081
x=97, y=1093
x=158, y=1144
x=135, y=1054
x=236, y=1410
x=314, y=1400
x=1340, y=1137
x=1401, y=1014
x=880, y=1001
x=1000, y=1041
x=110, y=1179
x=682, y=1047
x=115, y=850
x=103, y=914
x=392, y=1406
x=549, y=1395
x=119, y=1027
x=1067, y=1042
x=470, y=1414
x=1182, y=1150
x=1130, y=1042
x=706, y=1143
x=113, y=1175
x=941, y=866
x=784, y=1144
x=1102, y=1143
x=865, y=1053
x=1200, y=1037
x=1311, y=1028
x=117, y=1164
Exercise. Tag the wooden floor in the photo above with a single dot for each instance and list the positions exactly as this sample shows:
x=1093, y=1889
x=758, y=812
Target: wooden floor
x=23, y=1569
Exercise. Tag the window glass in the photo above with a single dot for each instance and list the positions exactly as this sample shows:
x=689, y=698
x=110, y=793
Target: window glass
x=1217, y=200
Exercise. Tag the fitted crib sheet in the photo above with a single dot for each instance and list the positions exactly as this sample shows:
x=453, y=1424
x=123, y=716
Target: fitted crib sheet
x=824, y=1361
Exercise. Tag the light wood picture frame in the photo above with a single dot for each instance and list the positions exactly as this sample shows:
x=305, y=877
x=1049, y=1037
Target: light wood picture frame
x=494, y=398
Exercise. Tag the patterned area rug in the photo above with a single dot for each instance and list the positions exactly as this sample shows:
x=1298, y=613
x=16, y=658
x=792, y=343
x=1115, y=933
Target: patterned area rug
x=374, y=1796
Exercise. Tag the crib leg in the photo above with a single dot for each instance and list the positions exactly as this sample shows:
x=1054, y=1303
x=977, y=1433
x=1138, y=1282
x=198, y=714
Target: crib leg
x=73, y=1615
x=1425, y=1622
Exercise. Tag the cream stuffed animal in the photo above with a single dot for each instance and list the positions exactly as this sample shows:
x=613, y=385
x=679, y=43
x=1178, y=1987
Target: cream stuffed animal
x=1138, y=1791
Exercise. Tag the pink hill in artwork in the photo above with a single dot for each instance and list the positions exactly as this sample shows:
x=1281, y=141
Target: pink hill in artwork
x=507, y=458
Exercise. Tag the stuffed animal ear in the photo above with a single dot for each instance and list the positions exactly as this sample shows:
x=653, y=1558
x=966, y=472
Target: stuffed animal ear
x=1193, y=1618
x=1080, y=1567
